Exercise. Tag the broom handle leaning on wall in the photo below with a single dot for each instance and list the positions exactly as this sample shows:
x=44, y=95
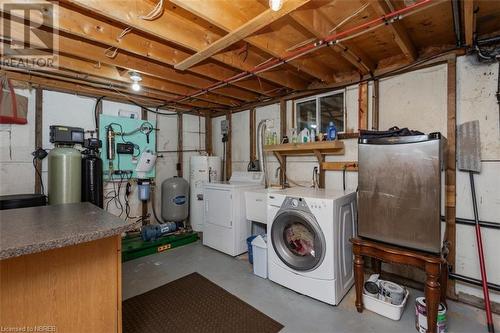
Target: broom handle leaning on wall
x=489, y=318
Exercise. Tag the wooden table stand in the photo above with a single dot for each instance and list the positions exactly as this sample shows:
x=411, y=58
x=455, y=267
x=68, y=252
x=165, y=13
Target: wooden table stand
x=435, y=268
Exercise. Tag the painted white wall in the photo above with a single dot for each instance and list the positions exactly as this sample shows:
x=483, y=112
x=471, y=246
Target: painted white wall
x=18, y=141
x=166, y=162
x=240, y=143
x=16, y=144
x=416, y=100
x=193, y=129
x=477, y=84
x=113, y=108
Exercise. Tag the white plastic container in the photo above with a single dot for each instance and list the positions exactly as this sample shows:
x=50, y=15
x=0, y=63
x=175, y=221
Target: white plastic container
x=385, y=309
x=259, y=249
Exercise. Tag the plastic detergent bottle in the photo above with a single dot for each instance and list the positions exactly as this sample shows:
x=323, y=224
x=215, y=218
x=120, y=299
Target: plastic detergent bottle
x=313, y=135
x=304, y=135
x=332, y=131
x=294, y=135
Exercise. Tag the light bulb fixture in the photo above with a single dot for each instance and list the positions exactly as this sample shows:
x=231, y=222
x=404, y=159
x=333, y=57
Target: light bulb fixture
x=136, y=78
x=136, y=86
x=275, y=5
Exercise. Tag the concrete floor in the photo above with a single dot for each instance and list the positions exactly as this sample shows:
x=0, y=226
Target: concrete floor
x=296, y=312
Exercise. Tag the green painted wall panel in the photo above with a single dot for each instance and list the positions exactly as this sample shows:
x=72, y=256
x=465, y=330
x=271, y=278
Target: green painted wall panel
x=125, y=161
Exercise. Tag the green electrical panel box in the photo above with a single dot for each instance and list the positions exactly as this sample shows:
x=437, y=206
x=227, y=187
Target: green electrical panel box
x=132, y=137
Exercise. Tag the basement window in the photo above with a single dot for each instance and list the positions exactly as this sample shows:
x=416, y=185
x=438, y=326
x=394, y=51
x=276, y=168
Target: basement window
x=318, y=111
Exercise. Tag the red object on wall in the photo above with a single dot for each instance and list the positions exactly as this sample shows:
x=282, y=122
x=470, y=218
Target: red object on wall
x=13, y=108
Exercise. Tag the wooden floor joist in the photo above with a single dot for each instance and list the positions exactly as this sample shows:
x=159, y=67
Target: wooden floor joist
x=102, y=32
x=179, y=30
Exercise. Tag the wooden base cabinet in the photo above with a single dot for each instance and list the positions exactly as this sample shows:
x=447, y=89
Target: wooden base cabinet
x=69, y=289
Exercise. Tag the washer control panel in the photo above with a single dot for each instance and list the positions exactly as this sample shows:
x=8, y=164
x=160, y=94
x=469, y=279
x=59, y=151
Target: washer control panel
x=295, y=203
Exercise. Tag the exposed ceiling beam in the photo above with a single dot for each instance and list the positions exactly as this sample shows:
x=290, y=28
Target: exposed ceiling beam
x=91, y=28
x=67, y=75
x=243, y=31
x=469, y=24
x=314, y=21
x=110, y=74
x=181, y=31
x=96, y=54
x=397, y=29
x=52, y=81
x=275, y=46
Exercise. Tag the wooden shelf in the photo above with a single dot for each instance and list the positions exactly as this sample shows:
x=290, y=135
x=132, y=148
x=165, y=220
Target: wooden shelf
x=319, y=149
x=310, y=148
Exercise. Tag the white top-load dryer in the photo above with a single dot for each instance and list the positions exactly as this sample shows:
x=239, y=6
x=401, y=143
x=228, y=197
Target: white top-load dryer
x=225, y=225
x=308, y=233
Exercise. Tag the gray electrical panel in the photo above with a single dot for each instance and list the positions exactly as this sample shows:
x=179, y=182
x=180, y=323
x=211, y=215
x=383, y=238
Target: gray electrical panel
x=224, y=127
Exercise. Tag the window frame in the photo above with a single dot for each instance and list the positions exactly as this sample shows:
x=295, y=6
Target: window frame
x=318, y=111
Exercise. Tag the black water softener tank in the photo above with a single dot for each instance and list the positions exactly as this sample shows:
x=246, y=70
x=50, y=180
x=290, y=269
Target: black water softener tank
x=92, y=188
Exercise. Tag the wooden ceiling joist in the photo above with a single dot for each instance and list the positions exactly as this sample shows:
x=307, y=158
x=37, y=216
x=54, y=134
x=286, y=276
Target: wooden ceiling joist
x=182, y=32
x=86, y=88
x=469, y=24
x=96, y=54
x=243, y=31
x=397, y=29
x=274, y=46
x=91, y=28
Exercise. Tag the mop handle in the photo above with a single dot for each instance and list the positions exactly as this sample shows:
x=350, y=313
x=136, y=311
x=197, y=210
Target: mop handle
x=489, y=318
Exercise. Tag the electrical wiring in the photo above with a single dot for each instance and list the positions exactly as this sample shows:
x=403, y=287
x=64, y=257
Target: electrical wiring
x=114, y=196
x=95, y=111
x=39, y=175
x=126, y=198
x=154, y=13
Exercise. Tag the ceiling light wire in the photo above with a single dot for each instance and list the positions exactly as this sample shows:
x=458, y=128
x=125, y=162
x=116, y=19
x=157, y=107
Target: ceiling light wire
x=155, y=13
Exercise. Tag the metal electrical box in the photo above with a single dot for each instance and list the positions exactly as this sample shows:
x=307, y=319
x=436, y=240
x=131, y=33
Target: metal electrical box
x=224, y=127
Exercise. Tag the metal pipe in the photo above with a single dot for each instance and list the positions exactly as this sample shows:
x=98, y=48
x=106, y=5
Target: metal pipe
x=457, y=23
x=388, y=18
x=467, y=279
x=486, y=224
x=182, y=151
x=261, y=132
x=490, y=40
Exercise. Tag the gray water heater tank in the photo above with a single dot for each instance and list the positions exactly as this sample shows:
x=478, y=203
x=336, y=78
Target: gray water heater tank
x=174, y=199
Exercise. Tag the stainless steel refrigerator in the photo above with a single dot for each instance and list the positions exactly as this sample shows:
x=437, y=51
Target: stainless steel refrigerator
x=399, y=183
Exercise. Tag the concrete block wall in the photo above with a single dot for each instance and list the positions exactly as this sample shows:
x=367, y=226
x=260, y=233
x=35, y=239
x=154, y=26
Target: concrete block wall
x=18, y=141
x=16, y=144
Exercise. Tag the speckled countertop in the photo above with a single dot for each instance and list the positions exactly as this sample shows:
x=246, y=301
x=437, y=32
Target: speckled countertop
x=29, y=230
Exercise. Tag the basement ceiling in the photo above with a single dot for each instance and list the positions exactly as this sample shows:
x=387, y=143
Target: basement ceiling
x=186, y=50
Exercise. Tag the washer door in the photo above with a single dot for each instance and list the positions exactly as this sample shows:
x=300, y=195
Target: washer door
x=297, y=240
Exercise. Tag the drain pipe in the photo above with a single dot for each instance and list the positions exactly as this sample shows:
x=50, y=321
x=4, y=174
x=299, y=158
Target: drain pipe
x=261, y=132
x=457, y=23
x=498, y=91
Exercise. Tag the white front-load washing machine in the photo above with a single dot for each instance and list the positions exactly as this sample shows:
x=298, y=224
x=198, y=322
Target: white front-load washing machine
x=308, y=236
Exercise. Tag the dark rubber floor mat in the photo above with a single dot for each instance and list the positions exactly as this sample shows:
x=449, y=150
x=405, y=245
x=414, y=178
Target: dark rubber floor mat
x=193, y=304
